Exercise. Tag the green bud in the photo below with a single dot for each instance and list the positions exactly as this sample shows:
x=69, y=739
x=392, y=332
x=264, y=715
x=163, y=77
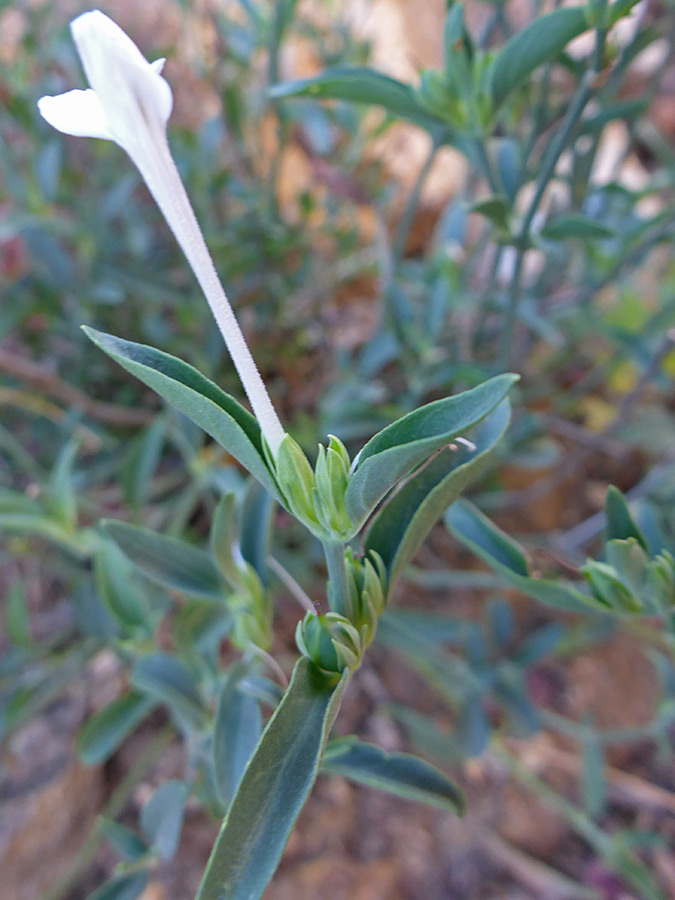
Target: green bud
x=661, y=583
x=368, y=591
x=316, y=498
x=332, y=477
x=608, y=588
x=437, y=96
x=296, y=481
x=331, y=641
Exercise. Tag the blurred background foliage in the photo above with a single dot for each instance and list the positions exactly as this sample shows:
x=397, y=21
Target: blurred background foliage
x=373, y=267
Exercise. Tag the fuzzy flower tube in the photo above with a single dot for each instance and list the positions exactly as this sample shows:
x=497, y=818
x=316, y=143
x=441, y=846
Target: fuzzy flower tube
x=129, y=102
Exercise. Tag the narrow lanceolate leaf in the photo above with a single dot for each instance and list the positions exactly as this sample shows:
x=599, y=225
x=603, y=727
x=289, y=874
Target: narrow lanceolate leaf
x=575, y=226
x=235, y=735
x=364, y=85
x=274, y=788
x=123, y=887
x=401, y=526
x=103, y=733
x=396, y=450
x=502, y=553
x=124, y=841
x=181, y=385
x=61, y=494
x=620, y=522
x=169, y=561
x=255, y=528
x=398, y=773
x=162, y=818
x=166, y=679
x=542, y=40
x=117, y=589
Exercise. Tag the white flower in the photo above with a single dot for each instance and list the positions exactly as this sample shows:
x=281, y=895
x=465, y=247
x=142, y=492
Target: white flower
x=130, y=103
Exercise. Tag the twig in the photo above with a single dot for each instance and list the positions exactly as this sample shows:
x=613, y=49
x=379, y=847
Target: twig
x=412, y=203
x=271, y=662
x=538, y=876
x=54, y=386
x=291, y=584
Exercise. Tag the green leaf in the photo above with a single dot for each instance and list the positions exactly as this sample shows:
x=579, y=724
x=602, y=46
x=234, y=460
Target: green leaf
x=401, y=526
x=594, y=785
x=364, y=85
x=79, y=543
x=398, y=773
x=619, y=9
x=166, y=679
x=274, y=788
x=202, y=401
x=16, y=502
x=542, y=40
x=142, y=463
x=398, y=449
x=575, y=226
x=61, y=495
x=126, y=842
x=124, y=887
x=608, y=588
x=235, y=735
x=223, y=539
x=496, y=209
x=620, y=523
x=162, y=818
x=627, y=110
x=103, y=733
x=255, y=527
x=173, y=563
x=426, y=736
x=505, y=556
x=117, y=589
x=199, y=628
x=16, y=617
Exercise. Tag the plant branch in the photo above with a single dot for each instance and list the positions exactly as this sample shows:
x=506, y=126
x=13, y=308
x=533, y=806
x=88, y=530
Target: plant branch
x=411, y=206
x=339, y=595
x=549, y=162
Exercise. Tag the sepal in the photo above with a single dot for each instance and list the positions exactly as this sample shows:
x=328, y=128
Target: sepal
x=330, y=641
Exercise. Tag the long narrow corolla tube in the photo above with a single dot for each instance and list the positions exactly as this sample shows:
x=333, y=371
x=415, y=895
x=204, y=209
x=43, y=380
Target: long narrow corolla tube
x=130, y=103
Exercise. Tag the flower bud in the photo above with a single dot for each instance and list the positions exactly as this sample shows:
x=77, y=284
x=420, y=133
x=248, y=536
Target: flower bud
x=316, y=498
x=331, y=641
x=368, y=591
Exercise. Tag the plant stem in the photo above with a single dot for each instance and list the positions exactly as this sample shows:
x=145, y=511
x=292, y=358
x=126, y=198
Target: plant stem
x=340, y=597
x=485, y=165
x=548, y=165
x=290, y=584
x=279, y=22
x=410, y=208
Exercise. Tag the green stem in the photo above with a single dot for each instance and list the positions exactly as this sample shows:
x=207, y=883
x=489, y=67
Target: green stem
x=282, y=12
x=548, y=165
x=412, y=203
x=485, y=165
x=340, y=597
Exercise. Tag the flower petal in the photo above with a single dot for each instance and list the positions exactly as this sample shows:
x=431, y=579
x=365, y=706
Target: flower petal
x=135, y=97
x=76, y=112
